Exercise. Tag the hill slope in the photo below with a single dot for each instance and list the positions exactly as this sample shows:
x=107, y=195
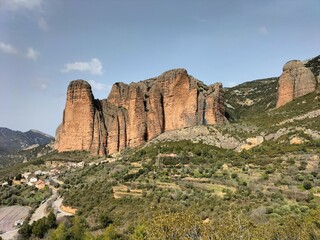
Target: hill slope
x=258, y=173
x=13, y=141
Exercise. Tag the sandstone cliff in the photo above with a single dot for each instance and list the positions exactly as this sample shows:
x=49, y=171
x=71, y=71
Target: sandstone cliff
x=136, y=113
x=295, y=81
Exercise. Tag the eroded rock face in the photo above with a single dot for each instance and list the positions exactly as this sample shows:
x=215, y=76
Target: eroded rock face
x=136, y=113
x=77, y=126
x=295, y=81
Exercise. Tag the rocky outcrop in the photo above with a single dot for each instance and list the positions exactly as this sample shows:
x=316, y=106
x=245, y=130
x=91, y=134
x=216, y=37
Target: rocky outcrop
x=205, y=134
x=250, y=143
x=80, y=128
x=295, y=81
x=136, y=113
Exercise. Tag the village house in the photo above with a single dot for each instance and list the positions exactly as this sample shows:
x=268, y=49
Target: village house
x=26, y=175
x=40, y=184
x=32, y=181
x=54, y=172
x=24, y=181
x=38, y=172
x=4, y=184
x=16, y=182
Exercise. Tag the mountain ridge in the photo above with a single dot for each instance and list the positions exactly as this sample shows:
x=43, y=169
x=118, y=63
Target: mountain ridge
x=13, y=140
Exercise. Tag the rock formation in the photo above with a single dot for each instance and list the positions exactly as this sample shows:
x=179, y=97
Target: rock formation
x=136, y=113
x=295, y=81
x=80, y=125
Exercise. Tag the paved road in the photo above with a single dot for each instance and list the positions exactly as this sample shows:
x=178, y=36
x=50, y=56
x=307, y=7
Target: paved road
x=55, y=202
x=56, y=206
x=41, y=211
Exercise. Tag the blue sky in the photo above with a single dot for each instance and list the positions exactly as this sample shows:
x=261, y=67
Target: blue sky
x=44, y=44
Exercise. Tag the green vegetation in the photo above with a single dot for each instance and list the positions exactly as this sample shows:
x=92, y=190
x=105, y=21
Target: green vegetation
x=23, y=195
x=38, y=228
x=35, y=162
x=250, y=98
x=250, y=107
x=11, y=159
x=191, y=190
x=208, y=182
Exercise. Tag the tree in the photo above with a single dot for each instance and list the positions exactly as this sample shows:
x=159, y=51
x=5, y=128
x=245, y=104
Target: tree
x=18, y=177
x=307, y=185
x=139, y=233
x=51, y=220
x=104, y=220
x=110, y=233
x=40, y=227
x=60, y=233
x=173, y=226
x=78, y=228
x=25, y=231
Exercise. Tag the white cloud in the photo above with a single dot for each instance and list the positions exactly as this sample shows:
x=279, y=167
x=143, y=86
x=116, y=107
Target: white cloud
x=41, y=84
x=7, y=48
x=16, y=4
x=42, y=24
x=94, y=67
x=98, y=86
x=263, y=31
x=32, y=54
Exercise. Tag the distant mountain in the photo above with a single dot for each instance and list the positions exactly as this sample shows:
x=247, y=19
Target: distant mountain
x=13, y=141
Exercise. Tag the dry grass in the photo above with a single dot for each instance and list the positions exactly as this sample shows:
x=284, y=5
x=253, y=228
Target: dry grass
x=200, y=180
x=167, y=185
x=217, y=189
x=124, y=191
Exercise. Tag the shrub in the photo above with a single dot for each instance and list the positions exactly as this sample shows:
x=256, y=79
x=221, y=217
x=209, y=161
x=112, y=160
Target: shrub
x=299, y=177
x=104, y=220
x=234, y=175
x=307, y=185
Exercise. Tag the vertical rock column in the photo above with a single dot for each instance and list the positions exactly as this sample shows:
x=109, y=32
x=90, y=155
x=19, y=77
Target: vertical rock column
x=179, y=99
x=214, y=113
x=76, y=130
x=137, y=132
